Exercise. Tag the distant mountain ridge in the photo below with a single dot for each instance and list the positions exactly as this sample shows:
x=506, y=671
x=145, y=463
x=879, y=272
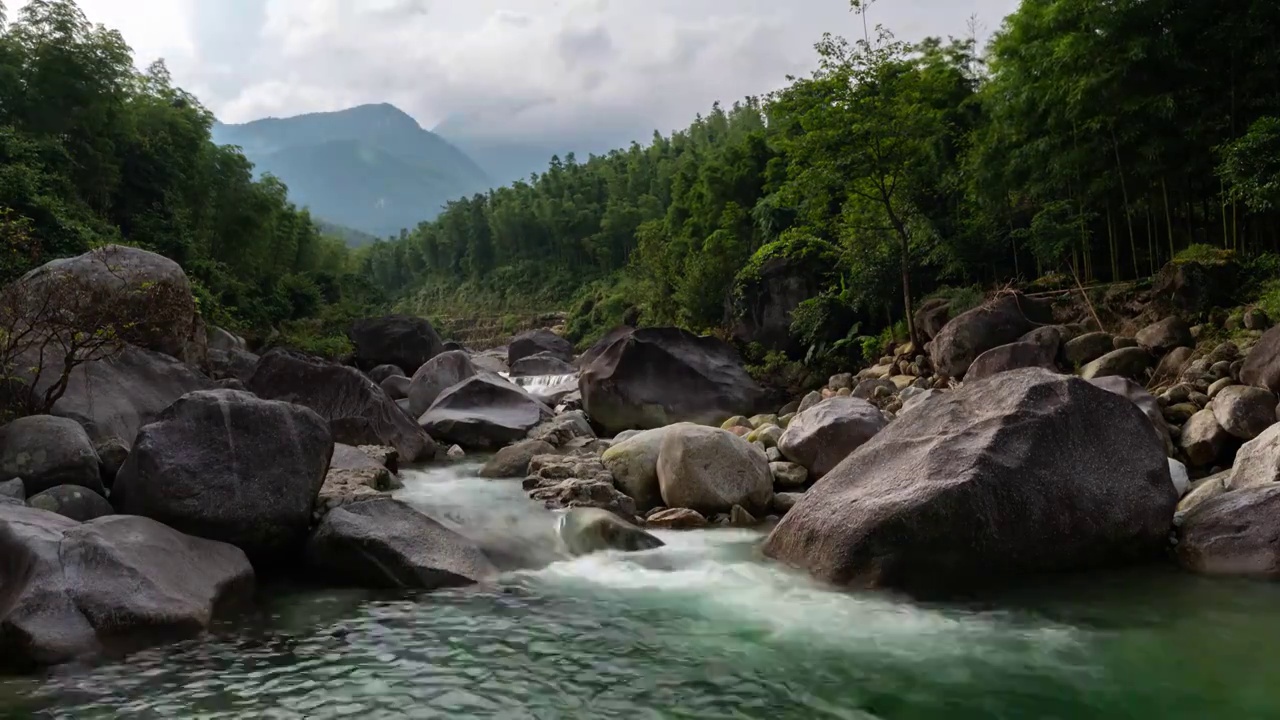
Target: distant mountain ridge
x=371, y=168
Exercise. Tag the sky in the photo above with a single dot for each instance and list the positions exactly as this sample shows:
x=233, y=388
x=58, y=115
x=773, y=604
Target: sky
x=502, y=68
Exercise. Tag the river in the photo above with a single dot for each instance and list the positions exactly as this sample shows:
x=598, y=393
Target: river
x=699, y=629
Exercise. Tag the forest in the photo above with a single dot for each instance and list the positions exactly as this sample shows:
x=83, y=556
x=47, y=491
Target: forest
x=1087, y=142
x=93, y=151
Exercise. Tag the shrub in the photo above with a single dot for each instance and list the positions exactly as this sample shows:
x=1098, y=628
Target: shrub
x=1204, y=255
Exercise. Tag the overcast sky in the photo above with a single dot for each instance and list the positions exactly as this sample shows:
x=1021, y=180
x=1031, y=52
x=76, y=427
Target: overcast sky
x=513, y=67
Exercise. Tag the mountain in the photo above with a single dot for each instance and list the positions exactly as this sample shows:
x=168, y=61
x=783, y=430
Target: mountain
x=352, y=237
x=371, y=168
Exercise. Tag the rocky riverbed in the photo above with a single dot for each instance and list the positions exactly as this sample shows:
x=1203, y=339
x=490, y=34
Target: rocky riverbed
x=1020, y=442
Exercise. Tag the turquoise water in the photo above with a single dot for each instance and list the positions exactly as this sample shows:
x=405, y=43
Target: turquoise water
x=699, y=629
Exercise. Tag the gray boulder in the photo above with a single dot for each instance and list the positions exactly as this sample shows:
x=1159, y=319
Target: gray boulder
x=589, y=530
x=711, y=470
x=563, y=429
x=865, y=390
x=47, y=451
x=484, y=412
x=399, y=340
x=1236, y=533
x=997, y=322
x=72, y=501
x=823, y=436
x=1171, y=366
x=396, y=387
x=655, y=377
x=229, y=466
x=633, y=462
x=1082, y=350
x=437, y=375
x=538, y=342
x=1024, y=473
x=1130, y=362
x=230, y=364
x=788, y=476
x=383, y=543
x=358, y=411
x=382, y=372
x=1245, y=411
x=14, y=489
x=1262, y=364
x=1145, y=401
x=1257, y=462
x=1203, y=439
x=1022, y=354
x=513, y=460
x=115, y=583
x=221, y=339
x=1165, y=335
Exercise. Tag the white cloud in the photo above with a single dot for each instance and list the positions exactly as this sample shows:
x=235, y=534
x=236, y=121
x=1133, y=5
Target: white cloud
x=516, y=68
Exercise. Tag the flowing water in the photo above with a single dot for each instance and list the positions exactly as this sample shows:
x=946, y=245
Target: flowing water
x=699, y=629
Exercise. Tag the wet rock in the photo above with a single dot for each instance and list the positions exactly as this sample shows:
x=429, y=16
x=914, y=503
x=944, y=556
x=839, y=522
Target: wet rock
x=535, y=342
x=711, y=470
x=484, y=412
x=1131, y=363
x=741, y=517
x=788, y=475
x=676, y=519
x=113, y=583
x=995, y=323
x=72, y=501
x=1082, y=350
x=357, y=410
x=1203, y=491
x=1236, y=533
x=401, y=340
x=654, y=377
x=383, y=543
x=633, y=463
x=48, y=451
x=1165, y=335
x=513, y=460
x=1244, y=411
x=1024, y=473
x=562, y=429
x=588, y=530
x=1203, y=439
x=456, y=453
x=1012, y=357
x=437, y=375
x=231, y=467
x=559, y=481
x=821, y=437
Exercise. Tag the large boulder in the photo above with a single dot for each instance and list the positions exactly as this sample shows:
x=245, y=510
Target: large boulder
x=108, y=585
x=1084, y=349
x=1019, y=474
x=46, y=452
x=396, y=387
x=384, y=543
x=358, y=411
x=586, y=530
x=997, y=322
x=484, y=412
x=1165, y=335
x=711, y=470
x=229, y=466
x=1203, y=439
x=1130, y=362
x=821, y=437
x=932, y=316
x=1236, y=533
x=1257, y=462
x=634, y=465
x=1245, y=411
x=1021, y=354
x=230, y=364
x=222, y=339
x=145, y=297
x=437, y=375
x=654, y=377
x=543, y=363
x=114, y=397
x=399, y=340
x=382, y=372
x=1262, y=364
x=72, y=501
x=1145, y=401
x=773, y=283
x=597, y=349
x=1193, y=287
x=535, y=342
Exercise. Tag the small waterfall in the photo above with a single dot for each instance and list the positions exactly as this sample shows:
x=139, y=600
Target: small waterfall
x=547, y=387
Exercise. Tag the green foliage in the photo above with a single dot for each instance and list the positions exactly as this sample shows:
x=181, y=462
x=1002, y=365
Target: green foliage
x=961, y=299
x=92, y=152
x=1251, y=165
x=1203, y=255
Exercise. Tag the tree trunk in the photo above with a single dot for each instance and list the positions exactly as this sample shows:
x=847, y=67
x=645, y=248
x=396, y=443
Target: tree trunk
x=1128, y=216
x=1168, y=216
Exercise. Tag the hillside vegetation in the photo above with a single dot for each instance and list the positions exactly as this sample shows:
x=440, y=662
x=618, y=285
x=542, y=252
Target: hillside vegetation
x=1094, y=140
